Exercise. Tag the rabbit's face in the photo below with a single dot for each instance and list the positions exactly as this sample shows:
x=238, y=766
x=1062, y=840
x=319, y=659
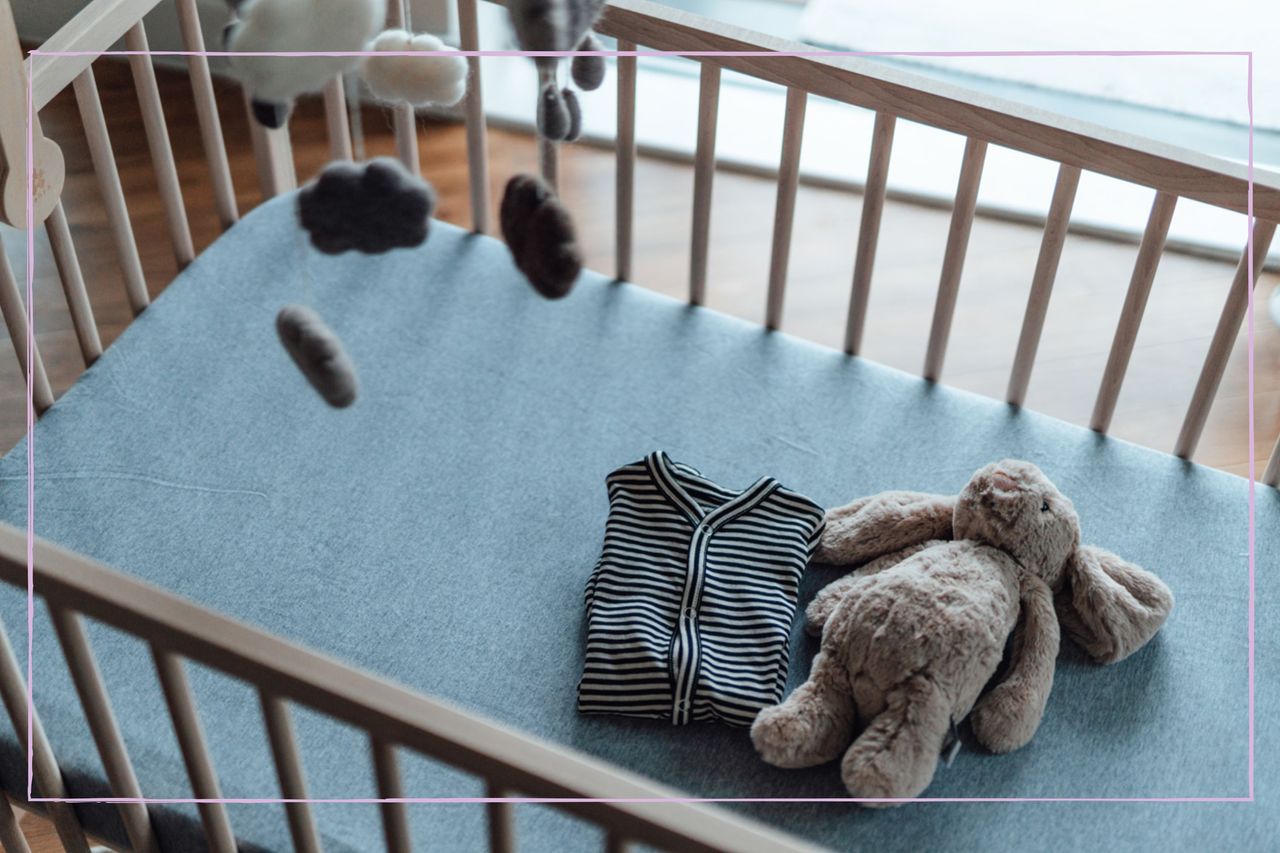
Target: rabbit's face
x=1012, y=505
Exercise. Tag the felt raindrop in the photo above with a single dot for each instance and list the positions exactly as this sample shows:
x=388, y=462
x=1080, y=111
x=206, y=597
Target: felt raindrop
x=553, y=113
x=541, y=236
x=283, y=26
x=558, y=25
x=574, y=110
x=418, y=80
x=319, y=354
x=588, y=71
x=372, y=207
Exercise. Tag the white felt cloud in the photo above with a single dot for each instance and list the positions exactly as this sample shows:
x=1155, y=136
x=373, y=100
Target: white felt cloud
x=419, y=80
x=299, y=25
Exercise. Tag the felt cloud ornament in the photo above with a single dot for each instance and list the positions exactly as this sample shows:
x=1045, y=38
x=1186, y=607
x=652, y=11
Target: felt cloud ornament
x=418, y=80
x=285, y=26
x=319, y=354
x=559, y=25
x=371, y=208
x=541, y=236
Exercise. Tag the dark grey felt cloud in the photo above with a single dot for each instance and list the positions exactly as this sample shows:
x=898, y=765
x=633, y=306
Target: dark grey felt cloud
x=319, y=354
x=541, y=236
x=371, y=208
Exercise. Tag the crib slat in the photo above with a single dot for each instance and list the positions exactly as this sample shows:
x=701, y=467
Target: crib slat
x=704, y=169
x=502, y=830
x=477, y=144
x=215, y=149
x=102, y=725
x=104, y=167
x=624, y=198
x=293, y=785
x=406, y=128
x=784, y=211
x=1055, y=236
x=549, y=162
x=402, y=115
x=11, y=838
x=64, y=258
x=1135, y=303
x=395, y=818
x=195, y=752
x=1271, y=476
x=335, y=118
x=157, y=132
x=975, y=152
x=273, y=154
x=869, y=230
x=44, y=769
x=15, y=319
x=1224, y=337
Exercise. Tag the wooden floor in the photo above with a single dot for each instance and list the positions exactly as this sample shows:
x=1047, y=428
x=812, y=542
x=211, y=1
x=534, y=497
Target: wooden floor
x=1185, y=302
x=1184, y=306
x=41, y=837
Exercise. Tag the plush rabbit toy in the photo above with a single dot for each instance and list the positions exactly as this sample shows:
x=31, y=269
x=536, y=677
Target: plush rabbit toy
x=911, y=638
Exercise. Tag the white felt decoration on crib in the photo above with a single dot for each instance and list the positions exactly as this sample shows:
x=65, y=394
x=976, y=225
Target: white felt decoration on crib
x=299, y=25
x=418, y=80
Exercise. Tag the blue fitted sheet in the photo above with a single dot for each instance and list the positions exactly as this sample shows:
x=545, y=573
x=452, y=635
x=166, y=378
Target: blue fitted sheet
x=440, y=532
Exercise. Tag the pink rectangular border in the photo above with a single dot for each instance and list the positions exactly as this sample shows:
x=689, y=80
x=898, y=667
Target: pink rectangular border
x=30, y=347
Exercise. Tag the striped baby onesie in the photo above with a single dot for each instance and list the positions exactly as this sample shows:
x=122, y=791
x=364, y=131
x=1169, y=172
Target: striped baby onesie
x=690, y=606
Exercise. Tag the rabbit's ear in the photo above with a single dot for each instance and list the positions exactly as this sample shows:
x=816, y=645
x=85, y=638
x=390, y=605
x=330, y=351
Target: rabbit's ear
x=1108, y=606
x=882, y=524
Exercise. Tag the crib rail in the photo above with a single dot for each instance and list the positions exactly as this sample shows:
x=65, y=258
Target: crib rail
x=1076, y=146
x=394, y=718
x=863, y=83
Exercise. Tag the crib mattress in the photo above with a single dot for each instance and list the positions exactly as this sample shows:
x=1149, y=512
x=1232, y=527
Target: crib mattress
x=440, y=531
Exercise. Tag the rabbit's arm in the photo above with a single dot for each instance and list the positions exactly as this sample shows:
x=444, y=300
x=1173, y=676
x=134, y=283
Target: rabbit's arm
x=882, y=524
x=1007, y=717
x=824, y=603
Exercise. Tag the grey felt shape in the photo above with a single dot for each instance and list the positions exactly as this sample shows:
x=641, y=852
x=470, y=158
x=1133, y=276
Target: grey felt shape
x=552, y=24
x=588, y=71
x=541, y=236
x=554, y=118
x=574, y=109
x=371, y=208
x=319, y=354
x=271, y=114
x=560, y=25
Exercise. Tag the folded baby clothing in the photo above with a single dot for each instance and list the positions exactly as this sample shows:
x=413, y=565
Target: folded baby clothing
x=690, y=606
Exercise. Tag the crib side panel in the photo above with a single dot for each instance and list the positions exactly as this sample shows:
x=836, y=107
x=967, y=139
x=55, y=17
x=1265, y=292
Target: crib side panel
x=77, y=589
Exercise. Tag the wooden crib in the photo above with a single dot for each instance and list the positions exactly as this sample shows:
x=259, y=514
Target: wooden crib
x=512, y=765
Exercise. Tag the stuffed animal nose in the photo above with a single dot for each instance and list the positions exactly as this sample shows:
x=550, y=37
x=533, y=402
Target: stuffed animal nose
x=1003, y=482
